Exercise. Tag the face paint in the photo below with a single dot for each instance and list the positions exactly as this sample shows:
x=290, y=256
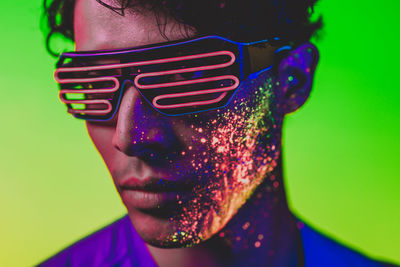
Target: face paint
x=231, y=156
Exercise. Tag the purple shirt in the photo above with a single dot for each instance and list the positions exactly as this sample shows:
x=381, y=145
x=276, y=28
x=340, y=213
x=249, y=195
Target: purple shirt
x=118, y=244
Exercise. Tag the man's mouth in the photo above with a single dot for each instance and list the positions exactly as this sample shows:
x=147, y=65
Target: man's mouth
x=150, y=184
x=153, y=194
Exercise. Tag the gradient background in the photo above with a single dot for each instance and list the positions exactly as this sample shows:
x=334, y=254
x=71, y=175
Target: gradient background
x=341, y=149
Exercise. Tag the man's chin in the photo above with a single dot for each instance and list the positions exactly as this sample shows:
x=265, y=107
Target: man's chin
x=161, y=232
x=168, y=243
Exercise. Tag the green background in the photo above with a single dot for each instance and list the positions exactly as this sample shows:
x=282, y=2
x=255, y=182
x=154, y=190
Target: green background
x=341, y=150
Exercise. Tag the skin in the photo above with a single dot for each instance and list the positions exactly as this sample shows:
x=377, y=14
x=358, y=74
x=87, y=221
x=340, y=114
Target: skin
x=236, y=213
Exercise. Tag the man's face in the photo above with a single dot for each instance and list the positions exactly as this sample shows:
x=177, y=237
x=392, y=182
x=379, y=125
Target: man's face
x=199, y=169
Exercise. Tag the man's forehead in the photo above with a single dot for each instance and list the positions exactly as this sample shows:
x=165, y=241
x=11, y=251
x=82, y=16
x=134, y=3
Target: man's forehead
x=97, y=27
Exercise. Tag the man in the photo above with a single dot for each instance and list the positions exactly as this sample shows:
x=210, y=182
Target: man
x=185, y=101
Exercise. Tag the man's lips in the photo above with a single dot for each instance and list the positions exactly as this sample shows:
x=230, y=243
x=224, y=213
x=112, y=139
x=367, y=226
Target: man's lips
x=153, y=193
x=155, y=185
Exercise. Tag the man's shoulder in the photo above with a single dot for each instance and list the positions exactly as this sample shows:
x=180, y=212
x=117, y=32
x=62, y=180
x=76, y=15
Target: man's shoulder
x=319, y=249
x=110, y=246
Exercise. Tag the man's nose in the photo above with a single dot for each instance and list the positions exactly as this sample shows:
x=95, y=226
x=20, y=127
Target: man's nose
x=142, y=131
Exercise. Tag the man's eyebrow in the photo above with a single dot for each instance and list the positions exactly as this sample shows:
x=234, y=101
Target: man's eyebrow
x=119, y=10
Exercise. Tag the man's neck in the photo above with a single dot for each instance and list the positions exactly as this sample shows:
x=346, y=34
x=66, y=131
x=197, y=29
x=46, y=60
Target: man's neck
x=262, y=233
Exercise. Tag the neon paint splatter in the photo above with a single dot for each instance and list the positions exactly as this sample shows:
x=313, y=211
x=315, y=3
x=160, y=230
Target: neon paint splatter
x=235, y=150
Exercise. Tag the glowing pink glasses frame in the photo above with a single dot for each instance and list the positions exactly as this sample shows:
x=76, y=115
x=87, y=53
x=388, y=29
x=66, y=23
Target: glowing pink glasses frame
x=116, y=82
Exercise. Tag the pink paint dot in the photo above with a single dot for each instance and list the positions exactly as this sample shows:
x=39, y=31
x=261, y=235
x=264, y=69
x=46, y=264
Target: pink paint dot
x=246, y=225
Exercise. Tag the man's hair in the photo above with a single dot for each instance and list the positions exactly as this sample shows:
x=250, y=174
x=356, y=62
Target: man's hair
x=239, y=20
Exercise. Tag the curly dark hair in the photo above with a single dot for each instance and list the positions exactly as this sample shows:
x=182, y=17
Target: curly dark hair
x=239, y=20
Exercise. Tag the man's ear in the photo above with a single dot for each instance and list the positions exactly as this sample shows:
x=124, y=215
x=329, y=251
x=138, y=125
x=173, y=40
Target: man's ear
x=295, y=76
